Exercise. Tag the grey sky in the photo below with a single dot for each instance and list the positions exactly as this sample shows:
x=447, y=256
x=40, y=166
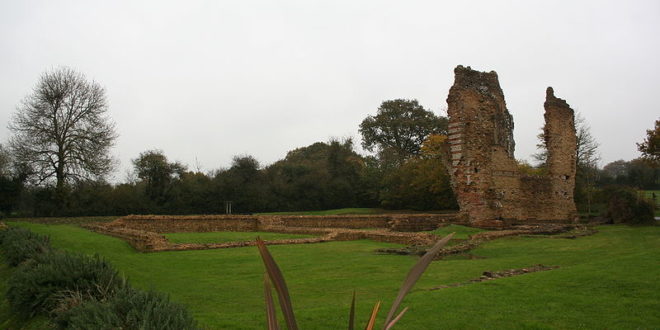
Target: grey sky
x=207, y=80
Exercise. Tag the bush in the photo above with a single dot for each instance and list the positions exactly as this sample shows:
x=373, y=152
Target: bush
x=21, y=244
x=60, y=280
x=128, y=309
x=624, y=205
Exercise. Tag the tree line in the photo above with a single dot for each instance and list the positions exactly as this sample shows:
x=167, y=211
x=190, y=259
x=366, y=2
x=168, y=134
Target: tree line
x=58, y=158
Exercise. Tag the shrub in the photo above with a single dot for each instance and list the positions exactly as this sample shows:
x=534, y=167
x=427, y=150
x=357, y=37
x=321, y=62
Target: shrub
x=624, y=205
x=52, y=279
x=128, y=309
x=20, y=244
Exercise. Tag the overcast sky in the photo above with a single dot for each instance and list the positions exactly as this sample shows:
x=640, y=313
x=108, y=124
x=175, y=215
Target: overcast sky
x=207, y=80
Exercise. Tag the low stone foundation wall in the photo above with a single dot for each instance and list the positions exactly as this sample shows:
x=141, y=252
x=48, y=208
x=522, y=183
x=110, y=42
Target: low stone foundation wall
x=177, y=224
x=139, y=239
x=422, y=222
x=207, y=223
x=345, y=221
x=143, y=232
x=473, y=241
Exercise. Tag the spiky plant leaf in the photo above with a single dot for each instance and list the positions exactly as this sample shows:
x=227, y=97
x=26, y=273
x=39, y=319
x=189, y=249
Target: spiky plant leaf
x=414, y=275
x=351, y=316
x=396, y=319
x=279, y=283
x=372, y=319
x=270, y=305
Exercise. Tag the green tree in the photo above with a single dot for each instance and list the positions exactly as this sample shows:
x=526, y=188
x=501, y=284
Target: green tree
x=638, y=173
x=318, y=176
x=421, y=183
x=153, y=168
x=399, y=128
x=650, y=148
x=641, y=174
x=61, y=131
x=242, y=184
x=192, y=194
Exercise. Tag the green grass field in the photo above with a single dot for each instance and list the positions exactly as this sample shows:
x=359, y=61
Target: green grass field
x=227, y=236
x=608, y=280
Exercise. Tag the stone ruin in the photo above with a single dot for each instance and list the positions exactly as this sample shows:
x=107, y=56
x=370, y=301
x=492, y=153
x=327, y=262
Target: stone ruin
x=490, y=189
x=144, y=232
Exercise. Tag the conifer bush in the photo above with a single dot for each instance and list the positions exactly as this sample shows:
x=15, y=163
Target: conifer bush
x=58, y=280
x=128, y=309
x=20, y=244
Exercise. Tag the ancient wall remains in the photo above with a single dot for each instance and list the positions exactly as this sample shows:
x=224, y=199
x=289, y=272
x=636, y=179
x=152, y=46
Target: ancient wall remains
x=208, y=223
x=490, y=190
x=143, y=232
x=176, y=224
x=356, y=221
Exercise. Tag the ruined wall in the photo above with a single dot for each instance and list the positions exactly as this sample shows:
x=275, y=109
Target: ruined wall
x=356, y=221
x=207, y=223
x=143, y=231
x=175, y=224
x=422, y=222
x=484, y=173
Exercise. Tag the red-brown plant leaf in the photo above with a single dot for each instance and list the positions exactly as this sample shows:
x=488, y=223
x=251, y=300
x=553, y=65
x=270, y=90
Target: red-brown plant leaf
x=351, y=316
x=372, y=319
x=396, y=319
x=279, y=283
x=270, y=305
x=415, y=273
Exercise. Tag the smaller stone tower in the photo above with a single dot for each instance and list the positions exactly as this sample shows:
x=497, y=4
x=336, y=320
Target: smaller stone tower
x=561, y=141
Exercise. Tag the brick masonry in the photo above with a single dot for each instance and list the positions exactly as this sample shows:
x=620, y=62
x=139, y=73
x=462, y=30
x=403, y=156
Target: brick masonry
x=144, y=232
x=206, y=223
x=490, y=190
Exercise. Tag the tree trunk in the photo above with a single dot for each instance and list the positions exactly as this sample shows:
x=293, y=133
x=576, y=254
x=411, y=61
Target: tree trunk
x=60, y=193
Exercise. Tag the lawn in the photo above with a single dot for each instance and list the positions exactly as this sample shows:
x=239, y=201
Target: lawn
x=227, y=236
x=608, y=280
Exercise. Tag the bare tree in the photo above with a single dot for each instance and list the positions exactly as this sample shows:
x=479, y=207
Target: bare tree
x=61, y=130
x=586, y=151
x=5, y=161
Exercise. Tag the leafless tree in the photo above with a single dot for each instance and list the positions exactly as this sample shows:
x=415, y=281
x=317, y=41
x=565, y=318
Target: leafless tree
x=5, y=161
x=61, y=131
x=586, y=151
